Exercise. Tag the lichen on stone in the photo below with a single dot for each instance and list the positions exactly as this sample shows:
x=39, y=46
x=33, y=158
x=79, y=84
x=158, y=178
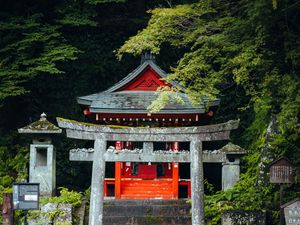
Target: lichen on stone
x=40, y=126
x=230, y=147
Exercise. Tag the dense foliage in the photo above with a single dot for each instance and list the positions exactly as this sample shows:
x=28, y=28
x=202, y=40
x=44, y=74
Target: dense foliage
x=245, y=52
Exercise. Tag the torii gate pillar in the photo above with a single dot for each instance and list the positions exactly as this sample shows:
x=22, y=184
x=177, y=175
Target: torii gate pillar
x=197, y=182
x=97, y=185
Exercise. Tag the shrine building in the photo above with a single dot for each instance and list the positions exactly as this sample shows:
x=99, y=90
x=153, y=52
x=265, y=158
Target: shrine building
x=149, y=153
x=125, y=104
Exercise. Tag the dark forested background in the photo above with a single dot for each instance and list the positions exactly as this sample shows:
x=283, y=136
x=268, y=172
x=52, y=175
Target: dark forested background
x=245, y=52
x=51, y=53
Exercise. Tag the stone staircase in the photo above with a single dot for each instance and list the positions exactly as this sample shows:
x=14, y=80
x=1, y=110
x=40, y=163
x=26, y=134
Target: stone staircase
x=146, y=212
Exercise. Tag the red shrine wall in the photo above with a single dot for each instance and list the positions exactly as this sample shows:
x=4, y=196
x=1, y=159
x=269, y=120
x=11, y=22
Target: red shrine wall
x=148, y=80
x=145, y=180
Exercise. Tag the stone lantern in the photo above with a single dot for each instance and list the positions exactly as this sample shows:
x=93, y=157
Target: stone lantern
x=42, y=164
x=231, y=168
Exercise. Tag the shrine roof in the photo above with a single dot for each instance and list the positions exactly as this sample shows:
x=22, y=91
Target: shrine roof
x=42, y=126
x=120, y=99
x=130, y=77
x=137, y=102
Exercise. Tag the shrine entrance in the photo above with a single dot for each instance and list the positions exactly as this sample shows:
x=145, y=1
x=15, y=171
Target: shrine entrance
x=148, y=136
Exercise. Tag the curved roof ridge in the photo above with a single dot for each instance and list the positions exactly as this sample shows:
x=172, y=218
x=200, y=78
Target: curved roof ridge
x=114, y=99
x=135, y=73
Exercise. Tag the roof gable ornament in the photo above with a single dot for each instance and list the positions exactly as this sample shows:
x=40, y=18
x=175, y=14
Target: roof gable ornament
x=43, y=117
x=147, y=80
x=147, y=56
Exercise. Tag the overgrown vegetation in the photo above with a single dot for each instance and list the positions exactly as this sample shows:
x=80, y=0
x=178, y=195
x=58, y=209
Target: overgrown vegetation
x=66, y=197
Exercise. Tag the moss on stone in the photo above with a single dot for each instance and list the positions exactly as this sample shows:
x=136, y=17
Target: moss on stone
x=41, y=125
x=153, y=219
x=232, y=148
x=74, y=121
x=91, y=124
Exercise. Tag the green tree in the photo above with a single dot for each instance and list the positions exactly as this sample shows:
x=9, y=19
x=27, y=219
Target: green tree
x=29, y=47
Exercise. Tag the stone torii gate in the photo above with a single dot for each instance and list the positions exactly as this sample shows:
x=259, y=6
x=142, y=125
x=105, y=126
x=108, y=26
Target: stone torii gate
x=102, y=134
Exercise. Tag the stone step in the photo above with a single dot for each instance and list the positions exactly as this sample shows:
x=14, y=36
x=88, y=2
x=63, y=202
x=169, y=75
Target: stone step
x=145, y=202
x=137, y=210
x=146, y=212
x=147, y=220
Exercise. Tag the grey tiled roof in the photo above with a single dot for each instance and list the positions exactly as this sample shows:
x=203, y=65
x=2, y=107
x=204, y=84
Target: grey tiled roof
x=114, y=101
x=137, y=102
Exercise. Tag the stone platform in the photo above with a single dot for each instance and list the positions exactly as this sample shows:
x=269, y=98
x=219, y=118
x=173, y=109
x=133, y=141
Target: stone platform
x=146, y=212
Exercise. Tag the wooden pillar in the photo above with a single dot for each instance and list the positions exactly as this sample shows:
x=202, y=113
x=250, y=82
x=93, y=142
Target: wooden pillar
x=7, y=209
x=197, y=183
x=118, y=170
x=175, y=171
x=97, y=192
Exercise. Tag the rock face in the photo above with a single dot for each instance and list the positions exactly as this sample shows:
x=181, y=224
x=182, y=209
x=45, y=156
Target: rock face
x=66, y=214
x=267, y=156
x=53, y=214
x=243, y=218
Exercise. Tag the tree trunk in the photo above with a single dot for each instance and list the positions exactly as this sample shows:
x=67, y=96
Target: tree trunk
x=7, y=209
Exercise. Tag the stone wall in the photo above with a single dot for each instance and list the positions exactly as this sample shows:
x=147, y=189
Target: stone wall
x=51, y=213
x=243, y=217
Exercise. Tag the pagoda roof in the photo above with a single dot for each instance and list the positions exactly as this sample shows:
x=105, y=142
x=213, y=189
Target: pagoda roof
x=118, y=99
x=42, y=126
